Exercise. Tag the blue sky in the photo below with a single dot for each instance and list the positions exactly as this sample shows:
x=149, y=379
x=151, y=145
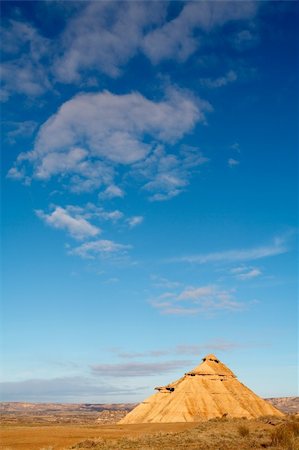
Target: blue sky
x=149, y=193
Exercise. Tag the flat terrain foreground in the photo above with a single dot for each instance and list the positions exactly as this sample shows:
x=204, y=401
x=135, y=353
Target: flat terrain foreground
x=216, y=434
x=64, y=426
x=58, y=437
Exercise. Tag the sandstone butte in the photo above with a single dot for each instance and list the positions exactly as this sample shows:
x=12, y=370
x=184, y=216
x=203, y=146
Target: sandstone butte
x=210, y=390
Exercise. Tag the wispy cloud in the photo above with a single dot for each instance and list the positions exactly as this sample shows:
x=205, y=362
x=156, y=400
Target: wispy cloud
x=138, y=369
x=168, y=174
x=18, y=130
x=150, y=33
x=134, y=221
x=197, y=300
x=92, y=211
x=178, y=39
x=246, y=273
x=23, y=73
x=220, y=345
x=79, y=223
x=74, y=54
x=74, y=224
x=232, y=162
x=58, y=389
x=112, y=191
x=161, y=282
x=120, y=39
x=213, y=83
x=100, y=249
x=245, y=39
x=277, y=247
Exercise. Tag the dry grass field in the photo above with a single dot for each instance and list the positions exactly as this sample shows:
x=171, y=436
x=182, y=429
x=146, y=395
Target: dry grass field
x=216, y=434
x=65, y=429
x=60, y=437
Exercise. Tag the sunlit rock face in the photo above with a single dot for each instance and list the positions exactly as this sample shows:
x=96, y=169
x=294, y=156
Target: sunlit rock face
x=208, y=391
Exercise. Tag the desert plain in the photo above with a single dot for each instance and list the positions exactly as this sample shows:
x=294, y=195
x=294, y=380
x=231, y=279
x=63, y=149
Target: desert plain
x=29, y=426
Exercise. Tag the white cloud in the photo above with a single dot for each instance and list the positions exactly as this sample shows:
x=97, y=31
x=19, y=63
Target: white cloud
x=278, y=247
x=245, y=273
x=123, y=29
x=229, y=77
x=19, y=129
x=77, y=226
x=23, y=77
x=233, y=162
x=237, y=270
x=245, y=39
x=22, y=70
x=112, y=191
x=92, y=134
x=168, y=174
x=100, y=248
x=196, y=293
x=92, y=210
x=143, y=30
x=197, y=300
x=178, y=39
x=134, y=221
x=104, y=36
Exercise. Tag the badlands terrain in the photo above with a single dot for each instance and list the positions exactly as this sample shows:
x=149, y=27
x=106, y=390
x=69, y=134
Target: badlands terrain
x=28, y=426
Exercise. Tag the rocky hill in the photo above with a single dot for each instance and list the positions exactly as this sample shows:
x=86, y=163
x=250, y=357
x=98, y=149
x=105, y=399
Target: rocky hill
x=289, y=405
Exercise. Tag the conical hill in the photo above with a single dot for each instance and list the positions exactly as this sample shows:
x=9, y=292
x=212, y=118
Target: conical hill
x=208, y=391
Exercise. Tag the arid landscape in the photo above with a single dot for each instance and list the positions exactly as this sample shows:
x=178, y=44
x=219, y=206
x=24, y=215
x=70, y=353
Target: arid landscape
x=29, y=426
x=149, y=224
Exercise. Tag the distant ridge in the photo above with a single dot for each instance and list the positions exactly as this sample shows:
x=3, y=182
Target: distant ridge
x=288, y=405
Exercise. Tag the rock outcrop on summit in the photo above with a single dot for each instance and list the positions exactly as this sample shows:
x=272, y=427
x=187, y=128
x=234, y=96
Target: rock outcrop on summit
x=208, y=391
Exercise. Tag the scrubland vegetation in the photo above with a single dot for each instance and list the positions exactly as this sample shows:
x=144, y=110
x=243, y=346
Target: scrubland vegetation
x=70, y=428
x=216, y=434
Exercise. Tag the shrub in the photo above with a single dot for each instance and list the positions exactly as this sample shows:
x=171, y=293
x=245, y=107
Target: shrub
x=284, y=435
x=243, y=430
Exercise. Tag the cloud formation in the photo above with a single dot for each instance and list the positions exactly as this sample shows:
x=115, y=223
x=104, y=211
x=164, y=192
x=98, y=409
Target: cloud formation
x=17, y=130
x=168, y=174
x=211, y=83
x=74, y=224
x=145, y=30
x=74, y=54
x=183, y=349
x=232, y=162
x=112, y=191
x=134, y=221
x=91, y=135
x=277, y=247
x=246, y=273
x=24, y=52
x=138, y=369
x=102, y=248
x=197, y=300
x=59, y=389
x=104, y=22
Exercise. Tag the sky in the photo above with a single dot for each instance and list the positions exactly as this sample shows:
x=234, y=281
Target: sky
x=149, y=196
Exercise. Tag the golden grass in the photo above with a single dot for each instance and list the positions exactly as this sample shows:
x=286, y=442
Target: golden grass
x=243, y=430
x=285, y=435
x=216, y=434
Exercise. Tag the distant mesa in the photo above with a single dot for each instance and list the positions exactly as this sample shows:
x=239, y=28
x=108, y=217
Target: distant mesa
x=208, y=391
